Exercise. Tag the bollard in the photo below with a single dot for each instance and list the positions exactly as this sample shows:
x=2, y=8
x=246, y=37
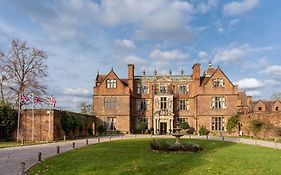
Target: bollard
x=239, y=140
x=109, y=138
x=98, y=140
x=73, y=145
x=23, y=167
x=64, y=138
x=151, y=136
x=222, y=138
x=275, y=143
x=189, y=136
x=39, y=157
x=135, y=136
x=207, y=137
x=58, y=149
x=22, y=142
x=256, y=142
x=87, y=142
x=121, y=136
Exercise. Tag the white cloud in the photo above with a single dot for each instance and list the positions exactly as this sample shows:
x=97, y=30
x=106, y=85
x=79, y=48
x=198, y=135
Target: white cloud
x=254, y=93
x=236, y=8
x=273, y=70
x=124, y=44
x=202, y=55
x=205, y=7
x=167, y=55
x=234, y=21
x=132, y=59
x=249, y=83
x=230, y=54
x=76, y=92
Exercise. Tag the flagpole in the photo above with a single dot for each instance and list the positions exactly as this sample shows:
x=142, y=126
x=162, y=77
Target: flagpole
x=49, y=130
x=32, y=96
x=18, y=128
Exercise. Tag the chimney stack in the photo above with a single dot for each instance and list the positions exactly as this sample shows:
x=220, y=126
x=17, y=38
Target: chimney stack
x=131, y=69
x=196, y=71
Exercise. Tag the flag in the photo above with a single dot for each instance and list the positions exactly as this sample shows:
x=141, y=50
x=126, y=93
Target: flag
x=24, y=100
x=37, y=99
x=52, y=101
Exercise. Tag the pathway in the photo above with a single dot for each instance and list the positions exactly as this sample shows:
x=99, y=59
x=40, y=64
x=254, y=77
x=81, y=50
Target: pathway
x=11, y=158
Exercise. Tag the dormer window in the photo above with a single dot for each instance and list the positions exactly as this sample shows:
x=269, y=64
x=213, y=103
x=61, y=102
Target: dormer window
x=111, y=83
x=142, y=89
x=218, y=82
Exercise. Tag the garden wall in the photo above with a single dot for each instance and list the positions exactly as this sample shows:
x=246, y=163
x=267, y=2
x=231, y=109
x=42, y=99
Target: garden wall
x=271, y=121
x=76, y=125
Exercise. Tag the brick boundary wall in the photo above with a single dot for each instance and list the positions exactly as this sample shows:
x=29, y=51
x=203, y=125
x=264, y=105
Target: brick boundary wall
x=41, y=131
x=271, y=120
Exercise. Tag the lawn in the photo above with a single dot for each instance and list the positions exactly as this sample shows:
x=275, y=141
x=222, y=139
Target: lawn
x=128, y=157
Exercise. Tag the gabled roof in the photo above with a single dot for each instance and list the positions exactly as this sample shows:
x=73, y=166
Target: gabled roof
x=205, y=80
x=102, y=78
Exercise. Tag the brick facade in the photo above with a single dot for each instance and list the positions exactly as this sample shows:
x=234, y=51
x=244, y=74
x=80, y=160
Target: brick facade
x=43, y=119
x=162, y=100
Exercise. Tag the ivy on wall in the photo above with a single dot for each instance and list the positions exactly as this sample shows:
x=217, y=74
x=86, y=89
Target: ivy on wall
x=71, y=121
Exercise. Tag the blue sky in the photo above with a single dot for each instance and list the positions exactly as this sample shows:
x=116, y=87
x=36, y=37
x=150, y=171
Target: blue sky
x=83, y=37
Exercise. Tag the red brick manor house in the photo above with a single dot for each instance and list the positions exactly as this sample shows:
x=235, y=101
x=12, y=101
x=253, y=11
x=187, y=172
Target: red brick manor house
x=207, y=99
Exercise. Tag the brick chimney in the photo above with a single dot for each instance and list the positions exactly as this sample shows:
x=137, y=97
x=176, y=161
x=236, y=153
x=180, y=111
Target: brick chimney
x=196, y=71
x=131, y=69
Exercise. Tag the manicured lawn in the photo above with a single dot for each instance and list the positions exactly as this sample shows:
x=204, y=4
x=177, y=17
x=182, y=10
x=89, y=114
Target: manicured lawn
x=129, y=157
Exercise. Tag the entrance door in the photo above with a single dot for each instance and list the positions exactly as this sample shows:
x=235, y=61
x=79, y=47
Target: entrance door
x=163, y=128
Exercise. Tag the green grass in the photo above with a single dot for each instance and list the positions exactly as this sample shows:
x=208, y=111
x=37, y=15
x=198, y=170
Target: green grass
x=133, y=157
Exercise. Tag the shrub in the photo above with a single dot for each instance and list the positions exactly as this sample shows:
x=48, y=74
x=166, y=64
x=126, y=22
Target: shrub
x=101, y=129
x=203, y=130
x=256, y=126
x=90, y=131
x=232, y=123
x=184, y=125
x=163, y=145
x=191, y=130
x=142, y=126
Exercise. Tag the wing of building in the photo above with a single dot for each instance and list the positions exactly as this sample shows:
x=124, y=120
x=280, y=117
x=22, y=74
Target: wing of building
x=206, y=99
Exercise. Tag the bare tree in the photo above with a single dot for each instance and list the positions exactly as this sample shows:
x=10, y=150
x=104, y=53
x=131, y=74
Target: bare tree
x=25, y=69
x=276, y=96
x=85, y=108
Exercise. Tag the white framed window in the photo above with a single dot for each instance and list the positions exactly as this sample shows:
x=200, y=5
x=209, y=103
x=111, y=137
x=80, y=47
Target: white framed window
x=218, y=102
x=163, y=88
x=183, y=89
x=145, y=89
x=181, y=119
x=218, y=82
x=111, y=83
x=183, y=104
x=110, y=102
x=163, y=102
x=142, y=105
x=142, y=89
x=217, y=123
x=111, y=123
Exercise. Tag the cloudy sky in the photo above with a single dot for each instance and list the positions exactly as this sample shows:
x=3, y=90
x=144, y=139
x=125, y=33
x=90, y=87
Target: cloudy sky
x=83, y=37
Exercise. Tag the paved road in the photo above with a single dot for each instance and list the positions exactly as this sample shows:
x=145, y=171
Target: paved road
x=11, y=158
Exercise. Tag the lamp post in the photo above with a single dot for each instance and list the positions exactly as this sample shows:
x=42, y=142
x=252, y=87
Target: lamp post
x=196, y=112
x=49, y=127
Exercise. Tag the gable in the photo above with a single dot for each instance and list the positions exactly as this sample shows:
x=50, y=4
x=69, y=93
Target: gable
x=113, y=76
x=218, y=74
